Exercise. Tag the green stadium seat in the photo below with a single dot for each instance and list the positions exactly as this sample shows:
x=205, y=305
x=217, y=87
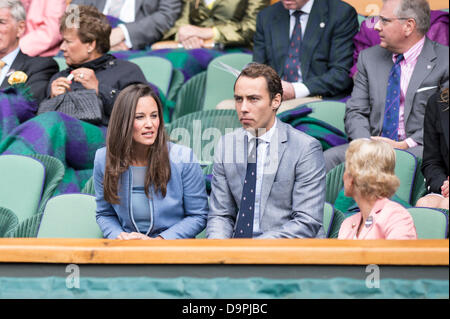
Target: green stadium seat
x=430, y=223
x=70, y=216
x=157, y=71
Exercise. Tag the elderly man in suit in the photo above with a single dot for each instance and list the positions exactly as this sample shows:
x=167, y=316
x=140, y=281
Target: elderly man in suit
x=39, y=70
x=268, y=178
x=310, y=44
x=395, y=80
x=145, y=21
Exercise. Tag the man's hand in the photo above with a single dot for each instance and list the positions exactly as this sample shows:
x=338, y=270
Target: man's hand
x=192, y=43
x=116, y=36
x=288, y=91
x=188, y=31
x=400, y=145
x=445, y=189
x=120, y=47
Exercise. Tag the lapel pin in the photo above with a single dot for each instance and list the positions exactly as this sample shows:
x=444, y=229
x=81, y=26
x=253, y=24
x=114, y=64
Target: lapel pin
x=428, y=67
x=322, y=25
x=368, y=222
x=353, y=225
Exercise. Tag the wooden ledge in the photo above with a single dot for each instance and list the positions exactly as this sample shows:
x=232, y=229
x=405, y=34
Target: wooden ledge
x=235, y=251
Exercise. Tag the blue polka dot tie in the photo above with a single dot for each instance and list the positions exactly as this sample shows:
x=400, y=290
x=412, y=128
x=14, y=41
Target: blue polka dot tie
x=292, y=64
x=391, y=109
x=244, y=223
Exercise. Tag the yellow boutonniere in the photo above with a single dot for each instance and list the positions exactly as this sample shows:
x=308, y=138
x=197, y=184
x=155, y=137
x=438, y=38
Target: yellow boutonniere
x=17, y=77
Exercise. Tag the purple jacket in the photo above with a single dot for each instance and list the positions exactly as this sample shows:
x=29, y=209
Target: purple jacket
x=368, y=37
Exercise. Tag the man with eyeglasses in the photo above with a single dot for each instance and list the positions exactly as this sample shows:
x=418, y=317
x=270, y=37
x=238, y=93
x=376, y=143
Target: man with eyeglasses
x=394, y=81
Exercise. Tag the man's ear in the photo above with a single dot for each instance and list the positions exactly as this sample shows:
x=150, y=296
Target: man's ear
x=276, y=102
x=21, y=28
x=410, y=26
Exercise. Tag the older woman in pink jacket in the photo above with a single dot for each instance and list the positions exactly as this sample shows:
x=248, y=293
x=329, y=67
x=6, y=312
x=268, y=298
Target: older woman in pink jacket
x=42, y=36
x=370, y=180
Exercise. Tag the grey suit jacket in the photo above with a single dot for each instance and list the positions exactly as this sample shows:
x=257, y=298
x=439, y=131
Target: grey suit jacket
x=293, y=186
x=153, y=19
x=365, y=109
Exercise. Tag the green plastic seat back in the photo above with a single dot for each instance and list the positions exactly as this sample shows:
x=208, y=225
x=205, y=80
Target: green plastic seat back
x=157, y=71
x=405, y=170
x=430, y=223
x=328, y=212
x=331, y=112
x=88, y=188
x=220, y=83
x=190, y=97
x=61, y=62
x=54, y=173
x=8, y=221
x=176, y=83
x=21, y=184
x=202, y=130
x=70, y=216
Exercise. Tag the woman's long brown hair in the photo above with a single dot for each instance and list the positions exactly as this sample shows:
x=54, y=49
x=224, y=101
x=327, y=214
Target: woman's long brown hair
x=119, y=145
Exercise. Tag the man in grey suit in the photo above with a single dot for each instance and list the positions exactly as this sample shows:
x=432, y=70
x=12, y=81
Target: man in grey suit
x=268, y=178
x=145, y=21
x=423, y=70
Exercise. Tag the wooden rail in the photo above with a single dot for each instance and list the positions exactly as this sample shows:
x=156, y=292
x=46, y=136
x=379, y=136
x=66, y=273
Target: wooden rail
x=236, y=251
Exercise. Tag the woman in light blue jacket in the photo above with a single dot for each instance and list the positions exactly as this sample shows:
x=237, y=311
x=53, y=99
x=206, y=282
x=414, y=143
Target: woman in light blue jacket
x=145, y=186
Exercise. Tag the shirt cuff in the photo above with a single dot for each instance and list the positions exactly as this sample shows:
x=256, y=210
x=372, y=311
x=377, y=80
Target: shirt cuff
x=300, y=90
x=411, y=143
x=127, y=35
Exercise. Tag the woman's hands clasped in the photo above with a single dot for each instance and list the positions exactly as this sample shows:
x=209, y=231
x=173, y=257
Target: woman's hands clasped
x=84, y=76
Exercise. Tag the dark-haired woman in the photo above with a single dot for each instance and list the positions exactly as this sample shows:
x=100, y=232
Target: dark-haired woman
x=145, y=186
x=94, y=78
x=435, y=151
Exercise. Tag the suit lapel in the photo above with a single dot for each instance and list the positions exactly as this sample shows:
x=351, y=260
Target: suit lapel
x=317, y=22
x=423, y=68
x=276, y=150
x=137, y=6
x=99, y=4
x=240, y=158
x=280, y=37
x=17, y=65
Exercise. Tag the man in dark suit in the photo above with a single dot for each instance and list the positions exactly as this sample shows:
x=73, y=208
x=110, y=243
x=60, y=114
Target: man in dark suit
x=317, y=60
x=38, y=69
x=145, y=21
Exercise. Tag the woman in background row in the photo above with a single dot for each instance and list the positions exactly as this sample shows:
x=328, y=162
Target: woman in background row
x=145, y=186
x=435, y=151
x=42, y=37
x=369, y=178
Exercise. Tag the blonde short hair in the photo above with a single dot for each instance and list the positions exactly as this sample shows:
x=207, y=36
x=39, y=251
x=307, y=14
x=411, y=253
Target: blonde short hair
x=372, y=165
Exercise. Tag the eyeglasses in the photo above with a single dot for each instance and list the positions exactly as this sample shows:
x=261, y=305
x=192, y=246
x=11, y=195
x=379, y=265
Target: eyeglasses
x=385, y=21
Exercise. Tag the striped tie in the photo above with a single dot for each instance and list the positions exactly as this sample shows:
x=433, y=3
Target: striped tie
x=115, y=7
x=391, y=110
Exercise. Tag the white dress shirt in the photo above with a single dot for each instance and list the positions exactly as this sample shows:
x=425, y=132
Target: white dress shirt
x=263, y=160
x=9, y=60
x=300, y=89
x=127, y=15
